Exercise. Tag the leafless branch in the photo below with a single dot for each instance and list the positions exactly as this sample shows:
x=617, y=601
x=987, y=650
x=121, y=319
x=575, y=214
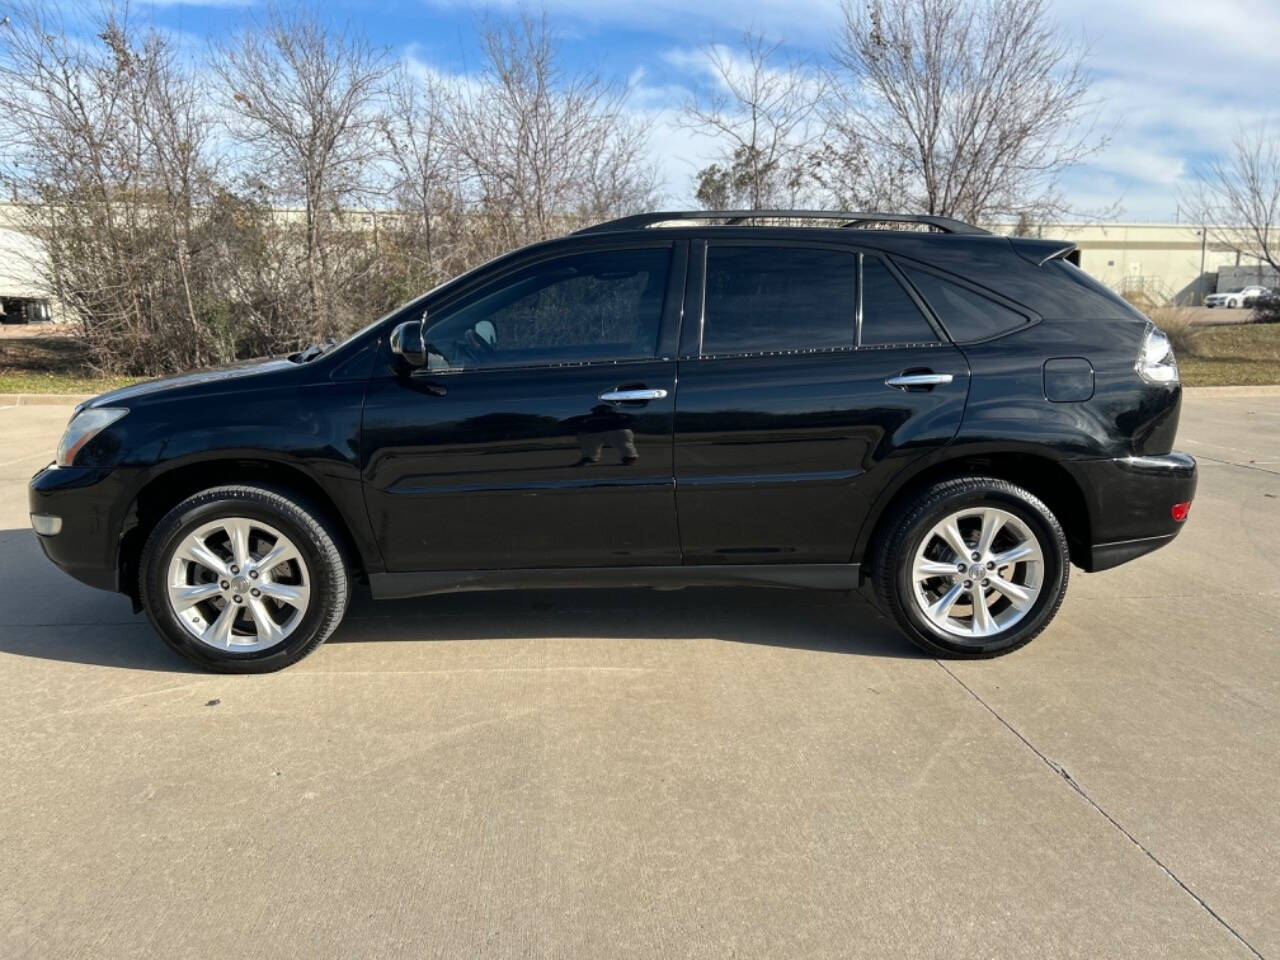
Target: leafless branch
x=1237, y=197
x=304, y=103
x=763, y=111
x=965, y=108
x=540, y=147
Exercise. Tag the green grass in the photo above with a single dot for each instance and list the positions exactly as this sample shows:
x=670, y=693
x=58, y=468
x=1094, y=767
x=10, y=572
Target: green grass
x=50, y=364
x=58, y=383
x=1246, y=354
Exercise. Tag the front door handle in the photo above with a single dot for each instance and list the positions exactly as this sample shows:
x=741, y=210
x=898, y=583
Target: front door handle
x=435, y=389
x=906, y=381
x=630, y=396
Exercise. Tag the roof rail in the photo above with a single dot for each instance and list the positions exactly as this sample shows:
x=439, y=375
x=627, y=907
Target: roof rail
x=737, y=217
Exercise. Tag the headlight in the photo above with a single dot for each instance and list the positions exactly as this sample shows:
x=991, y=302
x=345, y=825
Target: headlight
x=84, y=426
x=1156, y=363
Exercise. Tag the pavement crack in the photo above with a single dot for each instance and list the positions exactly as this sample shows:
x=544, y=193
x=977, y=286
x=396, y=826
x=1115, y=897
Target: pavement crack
x=1235, y=463
x=1062, y=773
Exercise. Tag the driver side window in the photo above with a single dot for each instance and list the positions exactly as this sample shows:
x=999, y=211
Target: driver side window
x=600, y=306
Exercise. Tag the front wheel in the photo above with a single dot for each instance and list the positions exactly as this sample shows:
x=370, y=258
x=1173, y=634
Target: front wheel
x=972, y=567
x=242, y=579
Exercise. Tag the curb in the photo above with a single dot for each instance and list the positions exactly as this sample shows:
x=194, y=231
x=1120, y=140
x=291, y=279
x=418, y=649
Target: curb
x=43, y=399
x=1259, y=390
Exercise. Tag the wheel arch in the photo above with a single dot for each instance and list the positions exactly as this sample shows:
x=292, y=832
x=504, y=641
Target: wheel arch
x=165, y=490
x=1038, y=474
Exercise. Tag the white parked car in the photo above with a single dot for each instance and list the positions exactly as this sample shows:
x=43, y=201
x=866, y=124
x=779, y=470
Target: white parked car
x=1233, y=299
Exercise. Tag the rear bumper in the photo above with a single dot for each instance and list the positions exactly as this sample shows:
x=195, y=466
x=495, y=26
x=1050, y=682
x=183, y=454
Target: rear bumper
x=1130, y=503
x=88, y=500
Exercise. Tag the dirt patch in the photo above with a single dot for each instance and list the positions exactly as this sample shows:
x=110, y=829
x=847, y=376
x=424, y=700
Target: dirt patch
x=44, y=359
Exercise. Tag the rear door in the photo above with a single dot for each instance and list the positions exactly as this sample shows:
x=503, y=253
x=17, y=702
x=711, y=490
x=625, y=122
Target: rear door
x=807, y=375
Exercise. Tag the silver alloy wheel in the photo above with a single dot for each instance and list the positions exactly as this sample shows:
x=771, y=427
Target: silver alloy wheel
x=977, y=572
x=238, y=585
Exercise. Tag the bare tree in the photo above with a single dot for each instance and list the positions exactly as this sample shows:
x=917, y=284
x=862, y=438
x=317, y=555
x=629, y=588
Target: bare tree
x=542, y=149
x=424, y=170
x=965, y=108
x=303, y=98
x=1237, y=197
x=171, y=251
x=764, y=115
x=175, y=120
x=107, y=147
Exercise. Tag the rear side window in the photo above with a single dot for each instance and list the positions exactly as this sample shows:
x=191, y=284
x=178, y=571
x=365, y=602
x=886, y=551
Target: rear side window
x=965, y=314
x=765, y=299
x=889, y=315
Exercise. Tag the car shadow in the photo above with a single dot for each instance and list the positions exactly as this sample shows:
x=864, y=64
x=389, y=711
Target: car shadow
x=798, y=619
x=52, y=617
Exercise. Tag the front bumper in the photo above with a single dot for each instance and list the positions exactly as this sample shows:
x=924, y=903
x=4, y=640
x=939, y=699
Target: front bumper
x=90, y=502
x=1130, y=501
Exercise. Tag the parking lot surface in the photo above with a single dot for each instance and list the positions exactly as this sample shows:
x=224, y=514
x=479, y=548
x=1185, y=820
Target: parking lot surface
x=704, y=773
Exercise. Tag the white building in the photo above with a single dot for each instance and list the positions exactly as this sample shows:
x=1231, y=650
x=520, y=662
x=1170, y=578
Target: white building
x=22, y=298
x=1158, y=262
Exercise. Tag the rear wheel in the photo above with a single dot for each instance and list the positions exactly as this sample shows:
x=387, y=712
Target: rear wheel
x=972, y=567
x=243, y=579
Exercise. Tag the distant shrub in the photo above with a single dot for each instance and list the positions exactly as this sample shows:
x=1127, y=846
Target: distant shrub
x=1178, y=325
x=1266, y=309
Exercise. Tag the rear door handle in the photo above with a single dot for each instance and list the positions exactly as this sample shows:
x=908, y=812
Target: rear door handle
x=640, y=393
x=907, y=380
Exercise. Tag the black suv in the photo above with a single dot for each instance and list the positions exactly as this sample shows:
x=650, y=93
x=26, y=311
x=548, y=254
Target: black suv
x=828, y=400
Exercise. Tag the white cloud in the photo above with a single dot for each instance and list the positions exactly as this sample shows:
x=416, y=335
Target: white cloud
x=798, y=21
x=1191, y=39
x=1175, y=79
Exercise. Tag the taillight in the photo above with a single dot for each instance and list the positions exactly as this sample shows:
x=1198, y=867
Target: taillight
x=1156, y=363
x=1179, y=511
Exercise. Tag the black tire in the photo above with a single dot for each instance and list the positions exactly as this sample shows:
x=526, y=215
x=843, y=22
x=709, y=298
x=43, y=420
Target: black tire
x=327, y=570
x=893, y=555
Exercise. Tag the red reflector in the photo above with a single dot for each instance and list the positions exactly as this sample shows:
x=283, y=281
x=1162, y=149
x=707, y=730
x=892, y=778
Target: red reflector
x=1179, y=511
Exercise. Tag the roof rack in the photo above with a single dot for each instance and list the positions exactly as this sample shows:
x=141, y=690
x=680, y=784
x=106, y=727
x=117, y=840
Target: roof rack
x=737, y=217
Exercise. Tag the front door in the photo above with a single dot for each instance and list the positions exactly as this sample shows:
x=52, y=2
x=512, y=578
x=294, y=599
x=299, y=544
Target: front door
x=800, y=392
x=540, y=432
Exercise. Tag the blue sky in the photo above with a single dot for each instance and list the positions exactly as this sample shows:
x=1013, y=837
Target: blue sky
x=1176, y=78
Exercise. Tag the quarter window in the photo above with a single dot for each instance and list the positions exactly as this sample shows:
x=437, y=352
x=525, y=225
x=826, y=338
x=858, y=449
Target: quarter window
x=767, y=299
x=889, y=315
x=576, y=309
x=965, y=315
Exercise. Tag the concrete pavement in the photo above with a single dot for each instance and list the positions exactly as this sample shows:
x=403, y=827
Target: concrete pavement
x=707, y=773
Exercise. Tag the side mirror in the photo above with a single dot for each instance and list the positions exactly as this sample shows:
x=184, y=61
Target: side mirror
x=407, y=342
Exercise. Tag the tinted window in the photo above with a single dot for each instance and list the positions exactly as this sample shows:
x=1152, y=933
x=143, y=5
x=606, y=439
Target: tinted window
x=762, y=299
x=593, y=306
x=965, y=314
x=889, y=315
